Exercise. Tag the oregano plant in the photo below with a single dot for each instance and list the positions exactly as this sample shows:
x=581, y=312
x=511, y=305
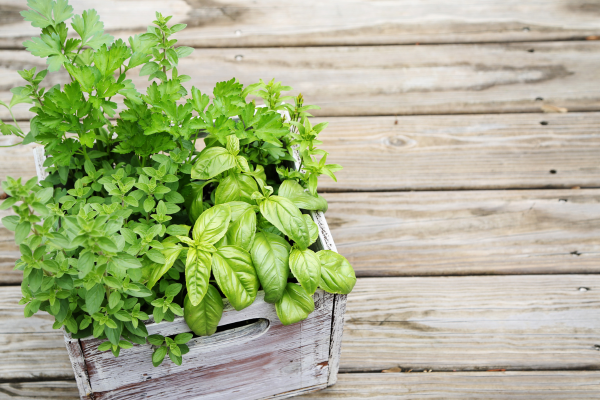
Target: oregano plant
x=133, y=224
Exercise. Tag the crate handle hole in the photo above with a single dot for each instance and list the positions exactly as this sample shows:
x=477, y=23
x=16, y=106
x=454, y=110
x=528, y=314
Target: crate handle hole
x=232, y=334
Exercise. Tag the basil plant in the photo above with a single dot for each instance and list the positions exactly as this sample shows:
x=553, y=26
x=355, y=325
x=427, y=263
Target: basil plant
x=133, y=223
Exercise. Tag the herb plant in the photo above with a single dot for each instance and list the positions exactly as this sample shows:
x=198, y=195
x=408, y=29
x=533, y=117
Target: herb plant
x=132, y=220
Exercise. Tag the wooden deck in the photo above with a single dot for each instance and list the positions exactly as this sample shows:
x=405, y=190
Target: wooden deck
x=471, y=216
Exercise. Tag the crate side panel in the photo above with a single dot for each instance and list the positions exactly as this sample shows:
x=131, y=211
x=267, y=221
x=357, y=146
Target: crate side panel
x=283, y=359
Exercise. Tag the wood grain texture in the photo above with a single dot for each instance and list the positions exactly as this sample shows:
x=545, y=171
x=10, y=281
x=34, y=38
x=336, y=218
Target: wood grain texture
x=390, y=80
x=546, y=385
x=503, y=151
x=468, y=232
x=233, y=23
x=534, y=322
x=525, y=385
x=440, y=323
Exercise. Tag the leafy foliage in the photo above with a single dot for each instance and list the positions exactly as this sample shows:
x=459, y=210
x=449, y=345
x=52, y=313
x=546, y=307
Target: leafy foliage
x=133, y=222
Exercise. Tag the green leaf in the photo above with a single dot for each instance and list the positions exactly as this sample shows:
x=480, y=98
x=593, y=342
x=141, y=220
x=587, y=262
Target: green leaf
x=203, y=318
x=306, y=267
x=241, y=232
x=211, y=162
x=126, y=261
x=313, y=229
x=170, y=253
x=292, y=190
x=183, y=51
x=236, y=187
x=337, y=275
x=94, y=298
x=9, y=202
x=156, y=340
x=286, y=217
x=178, y=230
x=197, y=274
x=156, y=256
x=11, y=222
x=105, y=346
x=295, y=305
x=85, y=263
x=40, y=14
x=212, y=224
x=47, y=46
x=235, y=275
x=62, y=11
x=183, y=338
x=158, y=356
x=91, y=30
x=270, y=255
x=22, y=231
x=106, y=244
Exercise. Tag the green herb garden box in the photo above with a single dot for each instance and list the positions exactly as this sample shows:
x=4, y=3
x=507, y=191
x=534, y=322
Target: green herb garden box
x=252, y=356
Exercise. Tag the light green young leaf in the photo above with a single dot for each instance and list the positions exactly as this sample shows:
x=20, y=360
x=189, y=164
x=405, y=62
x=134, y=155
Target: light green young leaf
x=91, y=30
x=236, y=187
x=212, y=224
x=286, y=217
x=211, y=162
x=295, y=305
x=306, y=267
x=337, y=275
x=235, y=275
x=197, y=274
x=241, y=232
x=40, y=14
x=203, y=318
x=170, y=252
x=292, y=190
x=270, y=255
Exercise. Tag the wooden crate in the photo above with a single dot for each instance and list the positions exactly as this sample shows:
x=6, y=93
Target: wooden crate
x=262, y=359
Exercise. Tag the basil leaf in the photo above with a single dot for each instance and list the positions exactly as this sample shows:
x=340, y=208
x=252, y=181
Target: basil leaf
x=170, y=252
x=235, y=275
x=236, y=187
x=212, y=224
x=241, y=232
x=193, y=199
x=286, y=217
x=211, y=162
x=292, y=190
x=313, y=229
x=270, y=254
x=337, y=275
x=204, y=317
x=295, y=305
x=197, y=274
x=306, y=267
x=237, y=209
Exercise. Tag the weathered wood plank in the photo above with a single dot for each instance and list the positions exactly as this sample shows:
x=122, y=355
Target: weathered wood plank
x=534, y=322
x=463, y=152
x=440, y=323
x=542, y=385
x=468, y=232
x=63, y=390
x=547, y=385
x=234, y=23
x=392, y=80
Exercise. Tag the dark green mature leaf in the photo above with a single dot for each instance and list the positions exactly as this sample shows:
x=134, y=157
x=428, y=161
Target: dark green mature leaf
x=295, y=305
x=197, y=274
x=235, y=275
x=236, y=187
x=212, y=224
x=306, y=267
x=270, y=254
x=337, y=275
x=282, y=213
x=203, y=318
x=213, y=161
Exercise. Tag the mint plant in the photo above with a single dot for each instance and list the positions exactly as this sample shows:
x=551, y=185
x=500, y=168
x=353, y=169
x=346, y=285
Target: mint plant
x=133, y=224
